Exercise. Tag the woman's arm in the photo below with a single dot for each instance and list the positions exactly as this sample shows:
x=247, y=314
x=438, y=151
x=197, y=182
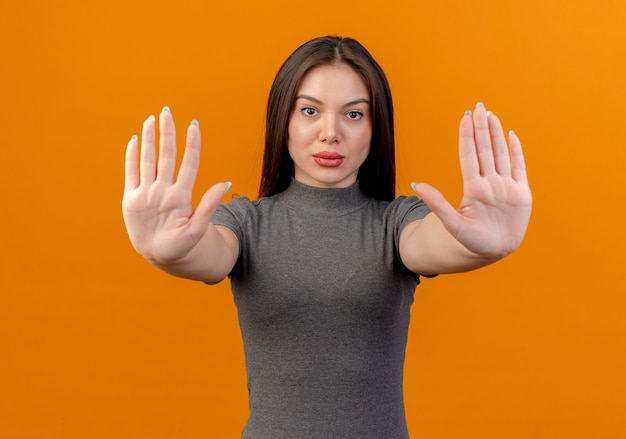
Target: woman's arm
x=493, y=216
x=161, y=222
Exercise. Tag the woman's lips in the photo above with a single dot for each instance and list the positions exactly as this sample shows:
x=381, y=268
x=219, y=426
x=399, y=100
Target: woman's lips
x=328, y=159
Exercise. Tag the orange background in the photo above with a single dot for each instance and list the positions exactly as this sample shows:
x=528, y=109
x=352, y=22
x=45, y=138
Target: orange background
x=95, y=343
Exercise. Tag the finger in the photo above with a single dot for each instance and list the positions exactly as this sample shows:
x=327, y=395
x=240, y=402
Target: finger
x=131, y=180
x=191, y=157
x=484, y=149
x=209, y=202
x=147, y=165
x=167, y=147
x=467, y=148
x=448, y=215
x=500, y=149
x=518, y=163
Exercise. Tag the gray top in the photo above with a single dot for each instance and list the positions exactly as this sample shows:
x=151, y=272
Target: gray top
x=323, y=302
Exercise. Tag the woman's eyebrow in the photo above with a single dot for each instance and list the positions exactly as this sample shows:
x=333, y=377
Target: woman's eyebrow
x=358, y=101
x=309, y=98
x=347, y=104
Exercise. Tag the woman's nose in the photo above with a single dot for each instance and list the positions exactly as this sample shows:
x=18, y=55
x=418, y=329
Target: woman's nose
x=328, y=132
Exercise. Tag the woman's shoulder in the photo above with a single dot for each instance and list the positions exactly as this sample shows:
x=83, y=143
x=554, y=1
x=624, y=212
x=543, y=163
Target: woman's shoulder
x=243, y=207
x=406, y=207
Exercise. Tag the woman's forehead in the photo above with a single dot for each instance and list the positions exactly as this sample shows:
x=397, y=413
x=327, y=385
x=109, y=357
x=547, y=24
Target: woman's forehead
x=332, y=82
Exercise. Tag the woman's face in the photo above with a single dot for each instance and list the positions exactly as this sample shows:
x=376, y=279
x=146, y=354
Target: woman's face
x=330, y=127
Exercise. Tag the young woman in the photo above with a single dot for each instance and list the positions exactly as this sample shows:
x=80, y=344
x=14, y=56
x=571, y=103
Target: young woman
x=324, y=264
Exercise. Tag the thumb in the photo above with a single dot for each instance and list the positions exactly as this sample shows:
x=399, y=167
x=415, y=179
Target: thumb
x=201, y=218
x=448, y=215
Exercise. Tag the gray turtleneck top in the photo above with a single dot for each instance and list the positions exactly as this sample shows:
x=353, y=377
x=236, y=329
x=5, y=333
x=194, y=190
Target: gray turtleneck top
x=323, y=301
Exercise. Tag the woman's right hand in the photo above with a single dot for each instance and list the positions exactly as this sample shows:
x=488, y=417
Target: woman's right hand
x=160, y=220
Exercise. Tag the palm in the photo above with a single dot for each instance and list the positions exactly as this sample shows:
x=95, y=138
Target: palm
x=494, y=212
x=162, y=215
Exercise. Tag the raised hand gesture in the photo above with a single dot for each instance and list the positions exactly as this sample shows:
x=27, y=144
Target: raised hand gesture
x=161, y=222
x=492, y=218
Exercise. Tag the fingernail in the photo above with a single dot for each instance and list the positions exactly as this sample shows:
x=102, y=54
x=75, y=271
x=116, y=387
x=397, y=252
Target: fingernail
x=194, y=122
x=467, y=113
x=511, y=133
x=479, y=104
x=489, y=113
x=228, y=185
x=166, y=108
x=414, y=186
x=134, y=137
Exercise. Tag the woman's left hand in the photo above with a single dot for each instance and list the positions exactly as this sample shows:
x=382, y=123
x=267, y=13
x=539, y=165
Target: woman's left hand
x=492, y=218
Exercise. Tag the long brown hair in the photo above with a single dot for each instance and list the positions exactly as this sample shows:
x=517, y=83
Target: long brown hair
x=377, y=175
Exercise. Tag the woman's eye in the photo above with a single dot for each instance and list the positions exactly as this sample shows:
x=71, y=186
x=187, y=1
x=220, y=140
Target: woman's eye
x=308, y=111
x=354, y=115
